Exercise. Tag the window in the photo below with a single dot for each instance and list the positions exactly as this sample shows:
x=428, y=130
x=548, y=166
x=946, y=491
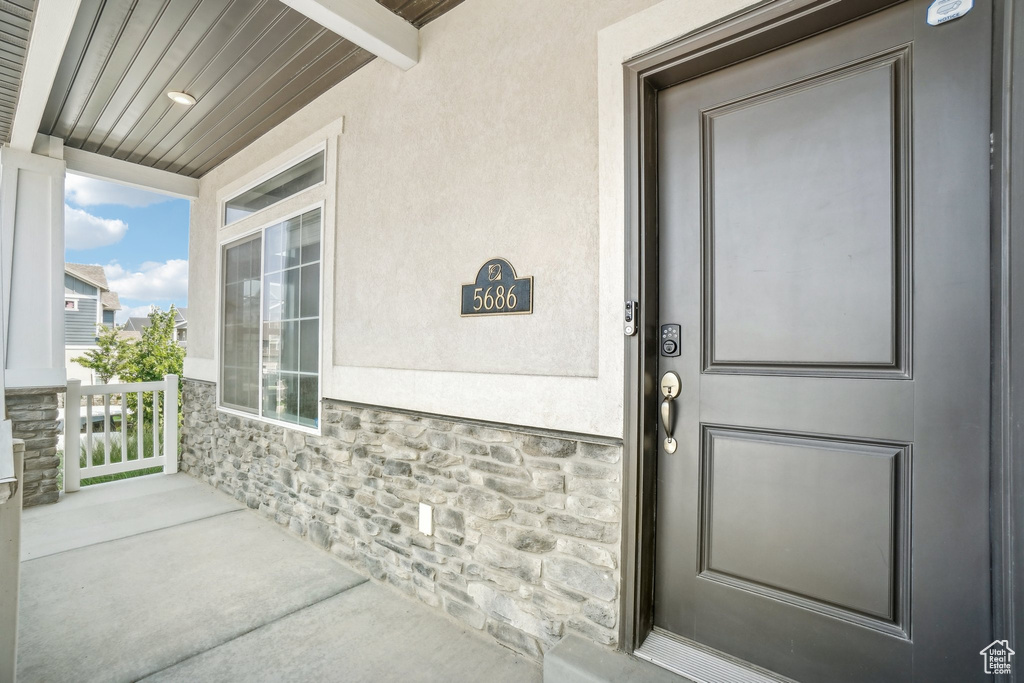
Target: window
x=240, y=370
x=271, y=322
x=70, y=304
x=301, y=176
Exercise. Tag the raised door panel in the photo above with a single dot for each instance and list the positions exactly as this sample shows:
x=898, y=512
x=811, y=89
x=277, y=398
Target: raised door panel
x=811, y=521
x=805, y=226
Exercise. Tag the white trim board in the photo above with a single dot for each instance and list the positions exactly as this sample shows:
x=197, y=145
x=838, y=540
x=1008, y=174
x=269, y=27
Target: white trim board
x=369, y=25
x=18, y=378
x=135, y=175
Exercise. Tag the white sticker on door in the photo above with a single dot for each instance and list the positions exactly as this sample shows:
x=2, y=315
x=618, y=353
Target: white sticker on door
x=941, y=11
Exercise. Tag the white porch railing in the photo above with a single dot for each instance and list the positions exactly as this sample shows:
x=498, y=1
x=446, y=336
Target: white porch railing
x=81, y=429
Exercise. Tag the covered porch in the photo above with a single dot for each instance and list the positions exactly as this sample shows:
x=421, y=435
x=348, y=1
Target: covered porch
x=796, y=471
x=165, y=578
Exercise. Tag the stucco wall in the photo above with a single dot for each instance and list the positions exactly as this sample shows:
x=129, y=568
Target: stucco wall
x=486, y=148
x=495, y=144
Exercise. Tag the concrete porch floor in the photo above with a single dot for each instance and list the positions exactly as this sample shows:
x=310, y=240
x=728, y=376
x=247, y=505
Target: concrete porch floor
x=164, y=578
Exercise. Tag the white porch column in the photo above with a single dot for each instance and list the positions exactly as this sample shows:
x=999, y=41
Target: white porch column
x=32, y=253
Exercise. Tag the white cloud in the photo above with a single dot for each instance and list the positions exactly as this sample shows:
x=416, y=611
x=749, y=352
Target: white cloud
x=83, y=191
x=82, y=230
x=153, y=281
x=121, y=317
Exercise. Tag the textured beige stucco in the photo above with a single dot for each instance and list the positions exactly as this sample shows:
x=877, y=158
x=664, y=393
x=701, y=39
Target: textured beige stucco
x=506, y=140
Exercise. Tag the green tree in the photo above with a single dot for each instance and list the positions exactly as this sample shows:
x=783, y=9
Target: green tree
x=150, y=358
x=154, y=355
x=108, y=359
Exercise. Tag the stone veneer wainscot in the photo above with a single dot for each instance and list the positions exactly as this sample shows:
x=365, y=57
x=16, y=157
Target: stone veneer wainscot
x=33, y=415
x=526, y=524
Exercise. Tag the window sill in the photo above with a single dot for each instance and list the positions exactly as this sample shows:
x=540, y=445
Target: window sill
x=315, y=431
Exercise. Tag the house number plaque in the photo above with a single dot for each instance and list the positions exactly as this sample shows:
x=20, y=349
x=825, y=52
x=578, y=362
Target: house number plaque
x=497, y=291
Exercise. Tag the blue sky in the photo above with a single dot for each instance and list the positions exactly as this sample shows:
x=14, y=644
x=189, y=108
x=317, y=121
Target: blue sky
x=140, y=238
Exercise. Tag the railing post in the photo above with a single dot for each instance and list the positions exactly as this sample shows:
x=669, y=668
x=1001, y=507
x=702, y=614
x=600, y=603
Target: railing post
x=10, y=567
x=72, y=436
x=170, y=424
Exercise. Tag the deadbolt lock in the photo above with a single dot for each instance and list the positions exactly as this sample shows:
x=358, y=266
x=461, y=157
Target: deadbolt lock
x=670, y=385
x=670, y=340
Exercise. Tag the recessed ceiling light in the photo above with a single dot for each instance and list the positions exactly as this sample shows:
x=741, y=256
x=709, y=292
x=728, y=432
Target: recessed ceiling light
x=181, y=97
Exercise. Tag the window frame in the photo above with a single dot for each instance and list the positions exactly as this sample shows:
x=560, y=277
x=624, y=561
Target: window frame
x=235, y=239
x=238, y=240
x=320, y=148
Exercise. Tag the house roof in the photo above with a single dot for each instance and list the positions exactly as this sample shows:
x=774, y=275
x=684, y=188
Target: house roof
x=93, y=275
x=136, y=323
x=110, y=301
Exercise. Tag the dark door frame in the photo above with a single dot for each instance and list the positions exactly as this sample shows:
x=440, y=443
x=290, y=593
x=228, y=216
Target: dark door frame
x=743, y=35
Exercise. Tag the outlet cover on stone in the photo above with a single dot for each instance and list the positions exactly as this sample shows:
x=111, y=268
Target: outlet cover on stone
x=426, y=519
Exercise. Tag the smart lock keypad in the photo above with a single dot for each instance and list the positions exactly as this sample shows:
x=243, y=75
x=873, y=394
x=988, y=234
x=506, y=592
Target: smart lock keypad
x=670, y=340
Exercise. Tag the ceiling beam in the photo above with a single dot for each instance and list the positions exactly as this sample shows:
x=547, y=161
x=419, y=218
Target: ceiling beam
x=108, y=168
x=51, y=27
x=369, y=25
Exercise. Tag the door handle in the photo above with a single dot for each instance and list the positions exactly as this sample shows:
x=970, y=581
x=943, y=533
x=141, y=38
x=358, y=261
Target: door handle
x=670, y=386
x=666, y=419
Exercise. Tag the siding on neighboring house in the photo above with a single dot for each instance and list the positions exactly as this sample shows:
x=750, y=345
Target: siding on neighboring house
x=80, y=325
x=76, y=286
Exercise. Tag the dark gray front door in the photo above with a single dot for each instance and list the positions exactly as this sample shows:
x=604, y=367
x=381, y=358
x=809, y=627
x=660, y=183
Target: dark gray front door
x=824, y=245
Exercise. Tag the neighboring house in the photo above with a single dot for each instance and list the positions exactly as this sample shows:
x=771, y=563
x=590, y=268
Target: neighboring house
x=181, y=326
x=134, y=325
x=88, y=303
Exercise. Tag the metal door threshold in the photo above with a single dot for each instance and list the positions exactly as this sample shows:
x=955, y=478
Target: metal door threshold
x=700, y=664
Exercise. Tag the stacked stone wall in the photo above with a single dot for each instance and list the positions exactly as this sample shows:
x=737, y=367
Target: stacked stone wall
x=33, y=416
x=526, y=524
